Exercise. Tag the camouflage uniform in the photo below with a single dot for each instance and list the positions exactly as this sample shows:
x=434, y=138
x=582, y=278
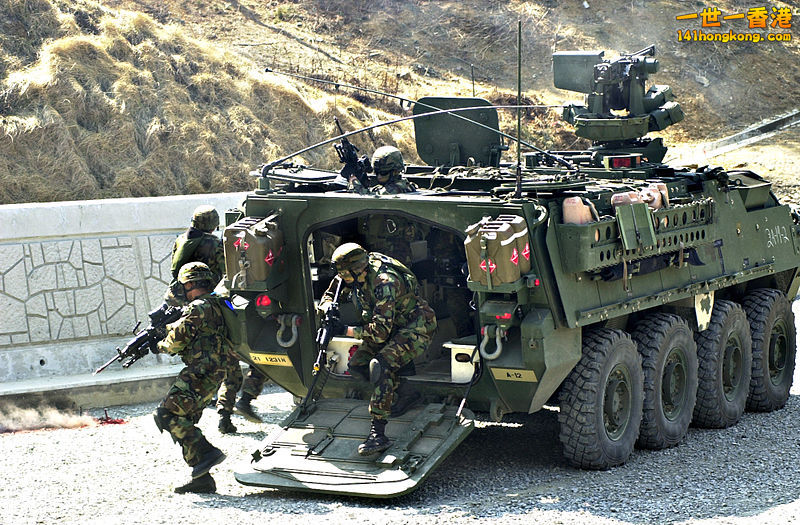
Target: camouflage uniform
x=390, y=188
x=200, y=337
x=387, y=161
x=252, y=385
x=397, y=323
x=197, y=245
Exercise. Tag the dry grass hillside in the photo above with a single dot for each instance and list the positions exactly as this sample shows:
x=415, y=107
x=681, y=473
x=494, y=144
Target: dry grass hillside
x=152, y=97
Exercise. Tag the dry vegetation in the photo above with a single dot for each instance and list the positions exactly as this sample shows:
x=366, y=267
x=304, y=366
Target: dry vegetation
x=153, y=97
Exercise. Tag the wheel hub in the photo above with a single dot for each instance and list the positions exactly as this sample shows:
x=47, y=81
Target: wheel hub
x=778, y=344
x=732, y=367
x=673, y=384
x=617, y=402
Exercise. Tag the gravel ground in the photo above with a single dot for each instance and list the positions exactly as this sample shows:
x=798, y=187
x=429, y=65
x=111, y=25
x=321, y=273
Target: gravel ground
x=502, y=473
x=510, y=472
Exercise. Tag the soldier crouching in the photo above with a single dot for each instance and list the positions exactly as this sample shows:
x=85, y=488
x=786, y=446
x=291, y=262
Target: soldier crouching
x=398, y=326
x=200, y=337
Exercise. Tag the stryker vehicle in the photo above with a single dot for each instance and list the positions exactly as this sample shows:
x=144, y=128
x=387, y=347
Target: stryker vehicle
x=634, y=297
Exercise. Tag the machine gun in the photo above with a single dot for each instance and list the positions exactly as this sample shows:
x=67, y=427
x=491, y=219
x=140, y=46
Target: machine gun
x=353, y=164
x=146, y=340
x=328, y=328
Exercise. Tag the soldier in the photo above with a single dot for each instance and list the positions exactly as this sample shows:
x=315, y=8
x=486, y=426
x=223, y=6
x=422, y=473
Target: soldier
x=397, y=327
x=387, y=163
x=200, y=337
x=199, y=244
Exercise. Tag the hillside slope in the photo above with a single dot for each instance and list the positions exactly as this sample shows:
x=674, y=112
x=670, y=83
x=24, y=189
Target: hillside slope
x=149, y=97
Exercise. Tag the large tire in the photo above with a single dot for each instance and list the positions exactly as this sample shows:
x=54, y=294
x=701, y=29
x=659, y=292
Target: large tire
x=669, y=363
x=725, y=358
x=774, y=338
x=601, y=401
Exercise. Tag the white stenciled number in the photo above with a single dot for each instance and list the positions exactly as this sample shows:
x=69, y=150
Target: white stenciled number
x=776, y=236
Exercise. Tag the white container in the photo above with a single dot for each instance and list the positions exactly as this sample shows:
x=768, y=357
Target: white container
x=339, y=352
x=461, y=372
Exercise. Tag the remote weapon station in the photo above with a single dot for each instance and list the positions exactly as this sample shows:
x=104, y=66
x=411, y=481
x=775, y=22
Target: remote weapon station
x=635, y=297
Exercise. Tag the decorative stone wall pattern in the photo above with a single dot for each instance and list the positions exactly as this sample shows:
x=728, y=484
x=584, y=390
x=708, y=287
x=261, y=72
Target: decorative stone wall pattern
x=90, y=269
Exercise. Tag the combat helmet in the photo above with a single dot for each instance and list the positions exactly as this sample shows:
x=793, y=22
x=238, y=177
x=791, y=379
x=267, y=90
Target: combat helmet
x=195, y=271
x=349, y=256
x=205, y=218
x=387, y=161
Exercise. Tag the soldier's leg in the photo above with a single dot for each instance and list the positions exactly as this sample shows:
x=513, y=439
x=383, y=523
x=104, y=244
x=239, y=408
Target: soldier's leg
x=397, y=355
x=358, y=366
x=253, y=384
x=182, y=409
x=226, y=397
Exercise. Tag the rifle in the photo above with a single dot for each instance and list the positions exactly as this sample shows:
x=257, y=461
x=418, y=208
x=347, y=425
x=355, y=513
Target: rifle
x=146, y=340
x=348, y=155
x=324, y=335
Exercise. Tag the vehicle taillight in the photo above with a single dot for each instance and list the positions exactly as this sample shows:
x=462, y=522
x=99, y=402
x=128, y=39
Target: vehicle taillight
x=503, y=317
x=263, y=300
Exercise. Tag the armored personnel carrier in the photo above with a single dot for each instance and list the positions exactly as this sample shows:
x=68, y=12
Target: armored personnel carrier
x=633, y=297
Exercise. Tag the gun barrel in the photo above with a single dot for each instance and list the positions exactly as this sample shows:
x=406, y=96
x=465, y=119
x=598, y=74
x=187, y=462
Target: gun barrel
x=109, y=362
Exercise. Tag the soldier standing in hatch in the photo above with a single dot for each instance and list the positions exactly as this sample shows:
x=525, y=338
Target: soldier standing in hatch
x=198, y=243
x=387, y=163
x=200, y=338
x=398, y=326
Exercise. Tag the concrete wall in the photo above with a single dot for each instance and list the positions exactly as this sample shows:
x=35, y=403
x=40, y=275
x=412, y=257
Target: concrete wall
x=75, y=277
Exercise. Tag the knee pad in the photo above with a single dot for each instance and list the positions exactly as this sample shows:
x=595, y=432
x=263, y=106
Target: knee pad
x=379, y=370
x=163, y=418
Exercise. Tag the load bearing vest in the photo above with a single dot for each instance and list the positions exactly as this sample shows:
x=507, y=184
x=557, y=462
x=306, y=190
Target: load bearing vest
x=498, y=250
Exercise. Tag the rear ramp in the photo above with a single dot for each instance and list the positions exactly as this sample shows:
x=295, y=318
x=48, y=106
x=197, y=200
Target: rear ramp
x=317, y=452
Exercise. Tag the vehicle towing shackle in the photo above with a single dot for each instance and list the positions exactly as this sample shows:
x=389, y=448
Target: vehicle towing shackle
x=287, y=320
x=499, y=333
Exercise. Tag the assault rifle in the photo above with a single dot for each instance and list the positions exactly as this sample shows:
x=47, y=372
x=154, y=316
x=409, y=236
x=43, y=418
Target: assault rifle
x=146, y=340
x=348, y=155
x=331, y=323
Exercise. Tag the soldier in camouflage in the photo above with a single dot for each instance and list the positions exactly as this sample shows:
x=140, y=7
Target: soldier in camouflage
x=397, y=327
x=198, y=243
x=200, y=338
x=387, y=163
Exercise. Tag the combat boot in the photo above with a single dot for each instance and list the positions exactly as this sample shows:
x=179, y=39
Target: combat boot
x=225, y=425
x=203, y=485
x=406, y=398
x=213, y=456
x=376, y=441
x=245, y=409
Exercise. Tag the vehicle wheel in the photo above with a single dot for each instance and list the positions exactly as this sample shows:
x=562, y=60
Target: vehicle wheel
x=725, y=359
x=669, y=364
x=774, y=335
x=601, y=401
